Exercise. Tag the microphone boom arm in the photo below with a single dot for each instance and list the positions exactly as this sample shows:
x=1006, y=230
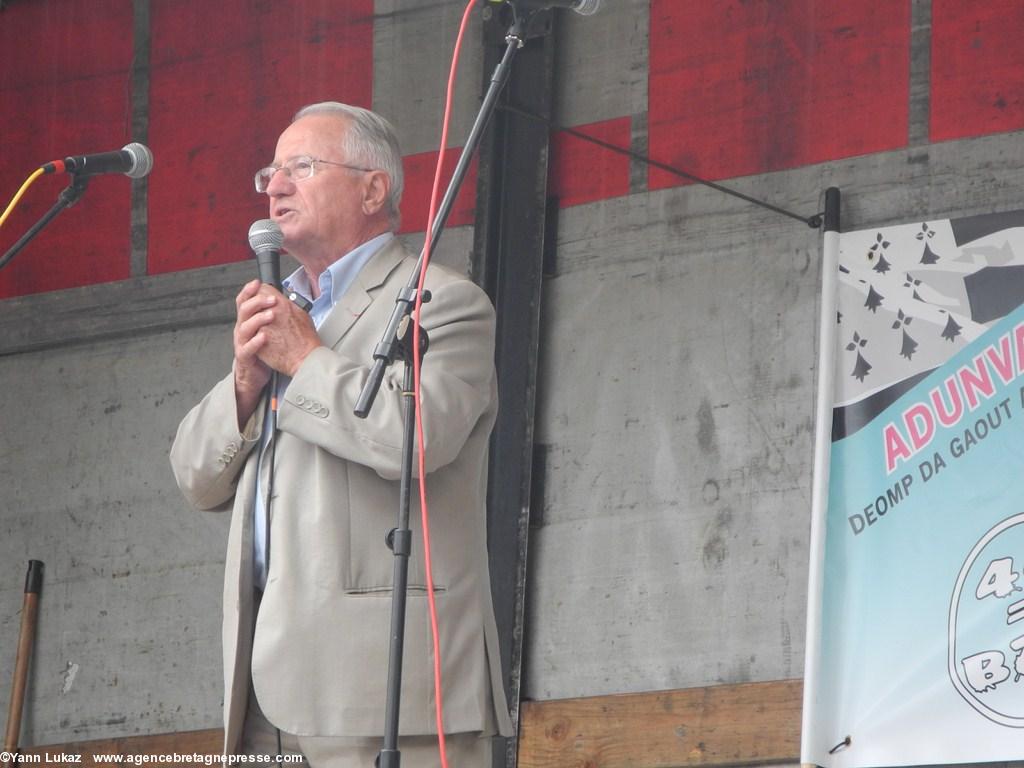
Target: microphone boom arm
x=386, y=351
x=68, y=197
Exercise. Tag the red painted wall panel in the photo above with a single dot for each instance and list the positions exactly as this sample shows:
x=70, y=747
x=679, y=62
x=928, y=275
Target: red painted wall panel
x=419, y=180
x=580, y=171
x=226, y=79
x=977, y=83
x=64, y=86
x=747, y=86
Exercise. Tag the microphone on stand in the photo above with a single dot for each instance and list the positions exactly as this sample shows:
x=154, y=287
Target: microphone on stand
x=133, y=160
x=266, y=240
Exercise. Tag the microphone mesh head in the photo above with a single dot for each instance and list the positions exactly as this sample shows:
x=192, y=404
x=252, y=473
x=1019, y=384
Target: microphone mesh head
x=587, y=7
x=142, y=160
x=265, y=236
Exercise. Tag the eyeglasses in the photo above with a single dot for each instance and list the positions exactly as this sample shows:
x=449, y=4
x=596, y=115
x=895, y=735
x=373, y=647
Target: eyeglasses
x=297, y=169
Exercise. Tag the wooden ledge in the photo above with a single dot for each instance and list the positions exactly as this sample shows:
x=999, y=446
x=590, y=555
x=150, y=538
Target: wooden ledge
x=721, y=725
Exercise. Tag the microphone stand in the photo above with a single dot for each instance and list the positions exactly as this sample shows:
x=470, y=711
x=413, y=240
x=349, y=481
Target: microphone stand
x=397, y=341
x=68, y=197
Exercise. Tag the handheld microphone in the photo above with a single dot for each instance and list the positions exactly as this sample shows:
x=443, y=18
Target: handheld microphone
x=133, y=160
x=582, y=7
x=266, y=240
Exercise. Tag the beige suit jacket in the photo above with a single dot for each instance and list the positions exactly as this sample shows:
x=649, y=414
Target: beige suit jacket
x=318, y=656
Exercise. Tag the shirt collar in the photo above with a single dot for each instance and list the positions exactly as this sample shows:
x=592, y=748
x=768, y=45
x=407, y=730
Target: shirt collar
x=336, y=279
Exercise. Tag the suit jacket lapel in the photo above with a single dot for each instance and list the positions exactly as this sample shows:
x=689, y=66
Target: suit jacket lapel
x=359, y=295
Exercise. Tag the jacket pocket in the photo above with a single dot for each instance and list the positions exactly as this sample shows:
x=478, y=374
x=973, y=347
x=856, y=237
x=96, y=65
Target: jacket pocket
x=373, y=512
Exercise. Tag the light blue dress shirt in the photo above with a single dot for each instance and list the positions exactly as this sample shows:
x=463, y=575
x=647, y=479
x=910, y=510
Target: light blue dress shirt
x=333, y=281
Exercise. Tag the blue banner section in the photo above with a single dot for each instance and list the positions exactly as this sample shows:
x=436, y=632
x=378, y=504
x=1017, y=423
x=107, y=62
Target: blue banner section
x=922, y=637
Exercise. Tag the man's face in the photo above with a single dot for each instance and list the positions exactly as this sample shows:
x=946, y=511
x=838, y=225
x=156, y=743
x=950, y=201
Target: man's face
x=323, y=216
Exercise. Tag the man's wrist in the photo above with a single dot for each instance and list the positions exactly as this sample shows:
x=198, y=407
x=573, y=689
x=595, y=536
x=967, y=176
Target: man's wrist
x=301, y=358
x=246, y=400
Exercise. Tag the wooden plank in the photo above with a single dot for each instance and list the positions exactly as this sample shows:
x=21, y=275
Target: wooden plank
x=191, y=746
x=720, y=725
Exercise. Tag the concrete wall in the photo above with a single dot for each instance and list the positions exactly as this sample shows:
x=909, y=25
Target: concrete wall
x=675, y=423
x=128, y=634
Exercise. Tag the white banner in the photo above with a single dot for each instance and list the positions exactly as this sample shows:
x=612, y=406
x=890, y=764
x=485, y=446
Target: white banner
x=916, y=607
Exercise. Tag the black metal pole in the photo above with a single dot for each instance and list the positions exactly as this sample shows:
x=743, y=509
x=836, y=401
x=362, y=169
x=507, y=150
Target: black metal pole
x=514, y=233
x=68, y=197
x=400, y=541
x=832, y=209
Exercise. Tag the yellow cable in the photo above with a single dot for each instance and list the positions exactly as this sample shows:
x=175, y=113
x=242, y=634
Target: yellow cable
x=28, y=182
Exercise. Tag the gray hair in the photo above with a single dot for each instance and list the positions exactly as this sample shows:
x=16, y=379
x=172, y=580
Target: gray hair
x=371, y=142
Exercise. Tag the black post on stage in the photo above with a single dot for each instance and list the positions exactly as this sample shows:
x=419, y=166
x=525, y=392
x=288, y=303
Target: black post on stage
x=397, y=342
x=68, y=197
x=832, y=209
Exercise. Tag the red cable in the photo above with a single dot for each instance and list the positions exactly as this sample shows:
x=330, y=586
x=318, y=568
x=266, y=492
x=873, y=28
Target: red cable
x=424, y=512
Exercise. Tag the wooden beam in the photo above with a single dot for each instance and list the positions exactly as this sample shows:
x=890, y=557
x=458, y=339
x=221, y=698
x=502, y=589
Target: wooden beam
x=720, y=725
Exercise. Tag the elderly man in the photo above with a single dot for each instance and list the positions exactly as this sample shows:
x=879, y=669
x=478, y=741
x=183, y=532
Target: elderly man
x=308, y=578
